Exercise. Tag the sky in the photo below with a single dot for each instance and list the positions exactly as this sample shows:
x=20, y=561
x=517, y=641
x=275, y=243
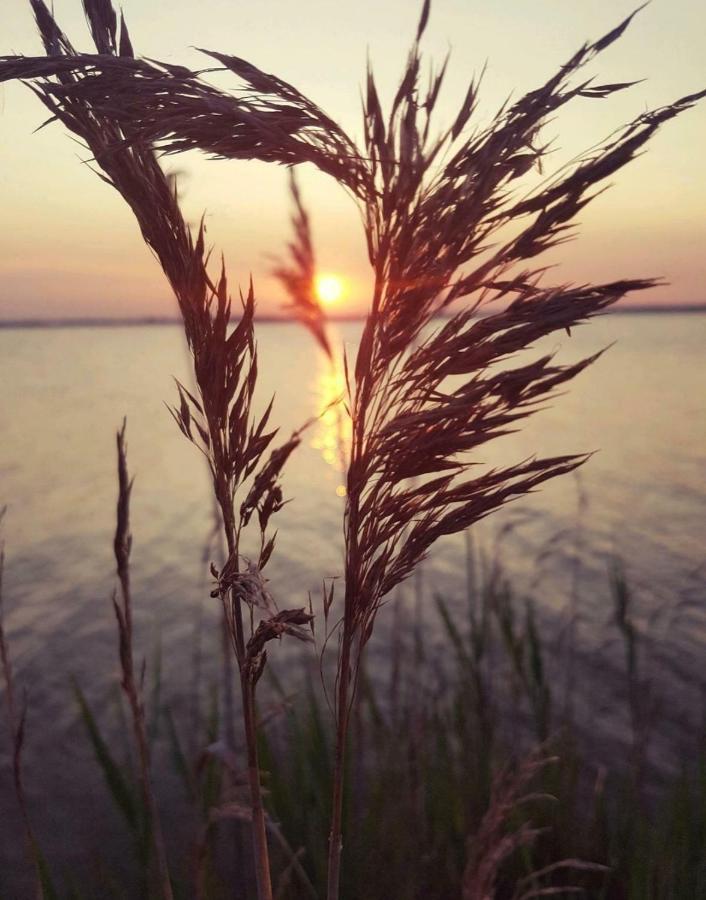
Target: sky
x=70, y=247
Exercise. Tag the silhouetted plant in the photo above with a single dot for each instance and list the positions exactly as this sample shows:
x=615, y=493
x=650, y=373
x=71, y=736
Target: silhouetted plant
x=297, y=273
x=220, y=421
x=436, y=210
x=130, y=682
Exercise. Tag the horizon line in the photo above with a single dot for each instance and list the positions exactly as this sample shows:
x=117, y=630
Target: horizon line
x=269, y=319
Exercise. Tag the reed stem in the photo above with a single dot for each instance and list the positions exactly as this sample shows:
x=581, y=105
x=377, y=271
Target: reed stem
x=261, y=856
x=335, y=847
x=259, y=831
x=122, y=546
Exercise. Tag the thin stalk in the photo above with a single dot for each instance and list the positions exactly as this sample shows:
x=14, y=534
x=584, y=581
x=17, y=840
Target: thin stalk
x=335, y=848
x=122, y=546
x=148, y=793
x=261, y=856
x=345, y=688
x=259, y=834
x=227, y=677
x=343, y=701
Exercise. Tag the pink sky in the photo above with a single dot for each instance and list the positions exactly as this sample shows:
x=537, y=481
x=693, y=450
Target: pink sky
x=70, y=247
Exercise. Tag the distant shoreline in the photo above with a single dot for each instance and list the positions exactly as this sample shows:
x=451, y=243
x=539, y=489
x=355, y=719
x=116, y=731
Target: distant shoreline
x=662, y=309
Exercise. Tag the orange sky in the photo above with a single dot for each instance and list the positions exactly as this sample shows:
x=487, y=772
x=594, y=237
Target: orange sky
x=70, y=247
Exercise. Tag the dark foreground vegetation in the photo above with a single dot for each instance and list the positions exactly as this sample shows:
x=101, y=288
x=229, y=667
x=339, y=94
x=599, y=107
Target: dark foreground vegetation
x=473, y=769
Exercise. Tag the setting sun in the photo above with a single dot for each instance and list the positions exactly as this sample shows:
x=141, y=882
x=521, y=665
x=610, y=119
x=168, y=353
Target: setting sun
x=329, y=289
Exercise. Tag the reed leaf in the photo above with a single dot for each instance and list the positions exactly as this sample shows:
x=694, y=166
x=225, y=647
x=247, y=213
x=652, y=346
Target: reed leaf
x=121, y=792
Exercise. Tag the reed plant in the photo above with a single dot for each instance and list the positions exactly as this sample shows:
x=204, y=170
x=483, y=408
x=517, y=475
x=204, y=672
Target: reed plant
x=297, y=273
x=436, y=211
x=221, y=421
x=430, y=727
x=130, y=682
x=442, y=743
x=453, y=229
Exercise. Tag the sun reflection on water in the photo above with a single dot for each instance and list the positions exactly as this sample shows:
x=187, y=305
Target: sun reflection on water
x=333, y=428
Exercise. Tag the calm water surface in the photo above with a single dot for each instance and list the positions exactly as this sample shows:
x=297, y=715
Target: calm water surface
x=641, y=499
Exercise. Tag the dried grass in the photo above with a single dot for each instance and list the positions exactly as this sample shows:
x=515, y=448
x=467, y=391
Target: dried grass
x=436, y=211
x=297, y=276
x=132, y=684
x=220, y=421
x=496, y=840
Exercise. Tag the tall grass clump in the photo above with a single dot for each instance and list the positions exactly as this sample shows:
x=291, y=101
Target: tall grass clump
x=452, y=786
x=452, y=225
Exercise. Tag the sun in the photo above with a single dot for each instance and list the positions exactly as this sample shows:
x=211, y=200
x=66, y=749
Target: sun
x=329, y=289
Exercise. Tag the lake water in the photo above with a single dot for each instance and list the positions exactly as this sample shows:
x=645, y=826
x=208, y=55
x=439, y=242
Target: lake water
x=640, y=499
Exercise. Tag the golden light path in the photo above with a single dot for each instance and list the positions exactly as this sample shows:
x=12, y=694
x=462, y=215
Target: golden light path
x=332, y=437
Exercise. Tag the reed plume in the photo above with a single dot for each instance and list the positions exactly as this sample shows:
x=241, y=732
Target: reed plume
x=220, y=421
x=297, y=274
x=495, y=841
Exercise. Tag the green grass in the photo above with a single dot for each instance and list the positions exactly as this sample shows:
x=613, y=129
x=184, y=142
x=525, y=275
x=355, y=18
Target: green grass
x=422, y=768
x=426, y=744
